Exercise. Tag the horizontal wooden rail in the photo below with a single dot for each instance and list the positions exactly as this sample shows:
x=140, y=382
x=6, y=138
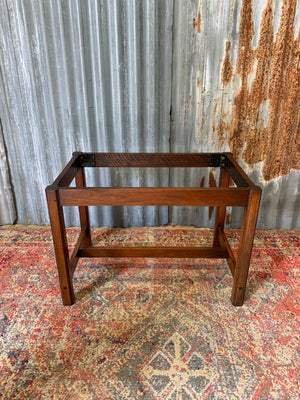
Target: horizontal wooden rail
x=144, y=160
x=239, y=177
x=67, y=174
x=156, y=196
x=157, y=251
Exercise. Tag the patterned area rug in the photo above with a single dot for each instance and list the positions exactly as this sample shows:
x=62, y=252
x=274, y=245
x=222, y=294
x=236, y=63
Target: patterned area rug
x=148, y=328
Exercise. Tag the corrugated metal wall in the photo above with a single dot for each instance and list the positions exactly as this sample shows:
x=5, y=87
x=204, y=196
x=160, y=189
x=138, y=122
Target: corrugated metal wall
x=236, y=87
x=84, y=76
x=7, y=206
x=103, y=76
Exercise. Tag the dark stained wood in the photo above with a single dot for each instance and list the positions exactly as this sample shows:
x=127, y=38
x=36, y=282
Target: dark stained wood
x=221, y=210
x=154, y=160
x=83, y=210
x=67, y=174
x=246, y=195
x=74, y=256
x=245, y=248
x=153, y=196
x=60, y=247
x=224, y=243
x=157, y=251
x=238, y=175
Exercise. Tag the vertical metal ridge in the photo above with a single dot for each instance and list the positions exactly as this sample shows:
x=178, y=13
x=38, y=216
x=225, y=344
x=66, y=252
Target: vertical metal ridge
x=149, y=88
x=133, y=81
x=114, y=63
x=7, y=203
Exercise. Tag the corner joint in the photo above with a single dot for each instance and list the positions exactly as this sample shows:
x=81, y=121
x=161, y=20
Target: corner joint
x=86, y=160
x=218, y=160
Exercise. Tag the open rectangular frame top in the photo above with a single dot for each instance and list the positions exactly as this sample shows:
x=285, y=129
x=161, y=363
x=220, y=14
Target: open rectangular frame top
x=245, y=194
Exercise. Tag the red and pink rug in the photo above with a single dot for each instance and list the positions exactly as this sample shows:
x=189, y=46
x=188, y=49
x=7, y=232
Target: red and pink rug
x=148, y=328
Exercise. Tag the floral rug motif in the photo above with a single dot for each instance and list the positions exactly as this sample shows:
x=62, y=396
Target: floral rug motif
x=150, y=329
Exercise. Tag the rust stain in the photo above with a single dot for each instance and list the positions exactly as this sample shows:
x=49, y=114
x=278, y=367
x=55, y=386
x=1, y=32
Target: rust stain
x=221, y=129
x=197, y=21
x=198, y=82
x=276, y=83
x=202, y=122
x=226, y=72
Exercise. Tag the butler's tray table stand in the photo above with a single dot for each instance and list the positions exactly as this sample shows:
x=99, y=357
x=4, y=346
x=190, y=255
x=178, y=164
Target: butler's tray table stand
x=244, y=194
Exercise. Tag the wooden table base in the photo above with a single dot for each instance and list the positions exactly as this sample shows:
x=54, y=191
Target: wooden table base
x=244, y=194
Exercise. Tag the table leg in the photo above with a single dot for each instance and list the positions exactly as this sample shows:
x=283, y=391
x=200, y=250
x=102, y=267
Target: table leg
x=60, y=246
x=84, y=211
x=221, y=211
x=245, y=248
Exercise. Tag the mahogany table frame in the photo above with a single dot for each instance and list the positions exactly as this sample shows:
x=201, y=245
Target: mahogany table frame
x=245, y=194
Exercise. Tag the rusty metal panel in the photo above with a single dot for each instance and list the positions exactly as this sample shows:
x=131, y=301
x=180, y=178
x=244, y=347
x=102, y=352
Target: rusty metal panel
x=84, y=76
x=236, y=87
